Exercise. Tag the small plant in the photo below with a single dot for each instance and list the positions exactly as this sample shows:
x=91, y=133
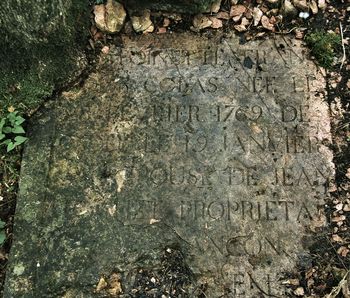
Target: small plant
x=11, y=130
x=323, y=46
x=2, y=232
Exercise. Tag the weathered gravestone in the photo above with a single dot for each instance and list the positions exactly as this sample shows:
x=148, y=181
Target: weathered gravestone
x=207, y=147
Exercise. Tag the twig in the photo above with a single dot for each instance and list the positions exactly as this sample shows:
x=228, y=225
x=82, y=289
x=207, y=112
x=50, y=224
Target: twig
x=342, y=43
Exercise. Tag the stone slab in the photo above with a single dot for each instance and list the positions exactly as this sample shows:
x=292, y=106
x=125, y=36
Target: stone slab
x=204, y=146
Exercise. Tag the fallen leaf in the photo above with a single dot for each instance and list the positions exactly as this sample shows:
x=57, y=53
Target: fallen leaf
x=240, y=28
x=245, y=22
x=336, y=238
x=343, y=251
x=322, y=4
x=299, y=34
x=166, y=22
x=215, y=6
x=257, y=14
x=237, y=10
x=223, y=15
x=216, y=23
x=265, y=22
x=338, y=218
x=313, y=7
x=301, y=4
x=200, y=21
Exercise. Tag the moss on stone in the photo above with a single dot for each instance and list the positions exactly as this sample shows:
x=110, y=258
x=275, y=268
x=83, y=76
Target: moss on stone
x=42, y=49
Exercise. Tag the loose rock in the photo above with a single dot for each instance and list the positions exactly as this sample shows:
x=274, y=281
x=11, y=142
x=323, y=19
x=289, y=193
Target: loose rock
x=110, y=17
x=142, y=23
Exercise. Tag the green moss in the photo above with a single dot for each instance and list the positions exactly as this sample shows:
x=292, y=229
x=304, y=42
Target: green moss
x=323, y=46
x=40, y=53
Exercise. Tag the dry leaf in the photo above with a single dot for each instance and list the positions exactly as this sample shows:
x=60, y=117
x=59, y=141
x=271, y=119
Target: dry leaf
x=245, y=22
x=313, y=7
x=337, y=238
x=257, y=14
x=240, y=28
x=216, y=23
x=338, y=218
x=237, y=10
x=322, y=4
x=223, y=15
x=265, y=22
x=215, y=6
x=301, y=4
x=299, y=34
x=343, y=251
x=200, y=22
x=166, y=22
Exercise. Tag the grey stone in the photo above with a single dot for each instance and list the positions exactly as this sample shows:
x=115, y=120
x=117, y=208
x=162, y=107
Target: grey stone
x=175, y=144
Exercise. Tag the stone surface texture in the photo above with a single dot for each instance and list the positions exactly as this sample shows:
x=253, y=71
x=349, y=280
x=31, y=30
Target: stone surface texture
x=211, y=147
x=42, y=46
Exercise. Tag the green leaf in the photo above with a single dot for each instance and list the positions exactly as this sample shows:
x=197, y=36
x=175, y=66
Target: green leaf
x=12, y=117
x=2, y=123
x=6, y=142
x=7, y=129
x=10, y=146
x=19, y=140
x=2, y=224
x=18, y=129
x=19, y=120
x=2, y=136
x=2, y=237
